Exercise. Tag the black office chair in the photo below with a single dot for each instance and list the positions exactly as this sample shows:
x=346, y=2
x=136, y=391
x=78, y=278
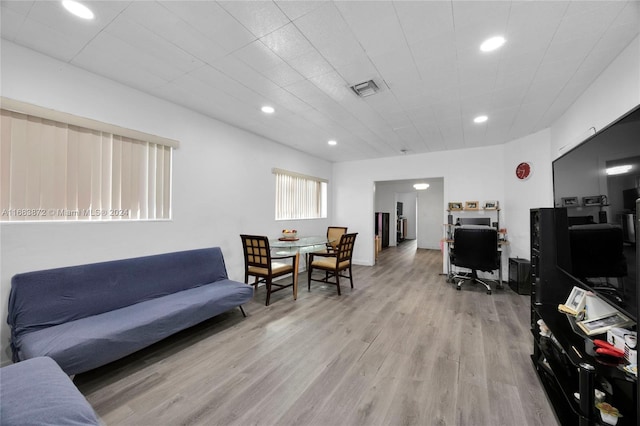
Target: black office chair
x=475, y=248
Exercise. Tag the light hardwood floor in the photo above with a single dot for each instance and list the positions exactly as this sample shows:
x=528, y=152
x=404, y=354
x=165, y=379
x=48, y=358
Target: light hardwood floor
x=402, y=348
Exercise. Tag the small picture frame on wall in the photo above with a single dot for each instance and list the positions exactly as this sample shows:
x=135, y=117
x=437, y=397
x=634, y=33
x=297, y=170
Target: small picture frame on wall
x=491, y=205
x=454, y=206
x=472, y=205
x=594, y=200
x=569, y=202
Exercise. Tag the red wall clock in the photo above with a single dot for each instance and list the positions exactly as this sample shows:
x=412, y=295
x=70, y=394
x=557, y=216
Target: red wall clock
x=523, y=170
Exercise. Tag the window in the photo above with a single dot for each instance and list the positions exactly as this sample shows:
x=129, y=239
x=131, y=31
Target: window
x=57, y=166
x=300, y=196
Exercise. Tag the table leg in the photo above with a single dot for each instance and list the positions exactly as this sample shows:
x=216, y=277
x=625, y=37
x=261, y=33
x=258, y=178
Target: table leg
x=295, y=276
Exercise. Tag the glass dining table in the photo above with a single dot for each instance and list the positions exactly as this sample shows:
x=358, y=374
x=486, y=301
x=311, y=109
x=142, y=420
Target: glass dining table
x=296, y=246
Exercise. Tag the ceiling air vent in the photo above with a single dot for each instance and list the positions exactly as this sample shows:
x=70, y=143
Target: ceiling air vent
x=367, y=88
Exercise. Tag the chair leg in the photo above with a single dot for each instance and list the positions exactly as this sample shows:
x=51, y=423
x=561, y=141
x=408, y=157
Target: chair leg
x=242, y=310
x=350, y=276
x=268, y=290
x=338, y=282
x=256, y=281
x=487, y=286
x=309, y=271
x=473, y=277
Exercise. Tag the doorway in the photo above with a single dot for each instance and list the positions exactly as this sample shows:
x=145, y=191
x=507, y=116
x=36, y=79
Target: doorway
x=422, y=210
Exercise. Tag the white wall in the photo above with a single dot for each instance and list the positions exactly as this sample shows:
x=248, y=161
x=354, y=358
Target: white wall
x=521, y=196
x=426, y=227
x=222, y=184
x=471, y=174
x=409, y=202
x=615, y=91
x=430, y=202
x=385, y=202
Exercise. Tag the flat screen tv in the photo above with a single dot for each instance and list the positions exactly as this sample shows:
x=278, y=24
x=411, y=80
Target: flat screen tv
x=594, y=186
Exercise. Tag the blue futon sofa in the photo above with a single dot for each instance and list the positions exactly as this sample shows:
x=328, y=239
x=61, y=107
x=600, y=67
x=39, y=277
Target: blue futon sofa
x=89, y=315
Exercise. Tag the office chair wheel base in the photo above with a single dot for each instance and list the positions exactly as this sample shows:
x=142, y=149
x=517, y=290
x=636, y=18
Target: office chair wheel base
x=488, y=291
x=458, y=288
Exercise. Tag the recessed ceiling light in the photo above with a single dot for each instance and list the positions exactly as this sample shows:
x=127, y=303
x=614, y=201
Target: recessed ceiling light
x=78, y=9
x=421, y=186
x=268, y=109
x=619, y=170
x=332, y=142
x=492, y=43
x=480, y=119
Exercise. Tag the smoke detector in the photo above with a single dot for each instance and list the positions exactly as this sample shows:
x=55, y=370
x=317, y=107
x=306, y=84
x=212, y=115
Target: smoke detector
x=367, y=88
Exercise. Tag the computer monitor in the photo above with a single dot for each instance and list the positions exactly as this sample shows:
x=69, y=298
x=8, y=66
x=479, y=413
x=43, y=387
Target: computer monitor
x=486, y=221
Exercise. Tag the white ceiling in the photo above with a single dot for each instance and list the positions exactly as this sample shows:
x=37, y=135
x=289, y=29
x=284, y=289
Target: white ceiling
x=226, y=59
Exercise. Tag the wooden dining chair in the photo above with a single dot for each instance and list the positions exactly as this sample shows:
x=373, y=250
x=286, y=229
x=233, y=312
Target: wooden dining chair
x=263, y=267
x=334, y=264
x=333, y=237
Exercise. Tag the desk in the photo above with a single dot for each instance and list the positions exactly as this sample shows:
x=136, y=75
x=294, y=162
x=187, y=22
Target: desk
x=302, y=244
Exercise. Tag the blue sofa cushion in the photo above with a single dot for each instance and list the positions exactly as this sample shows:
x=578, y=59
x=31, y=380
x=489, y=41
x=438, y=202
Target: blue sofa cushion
x=87, y=343
x=37, y=392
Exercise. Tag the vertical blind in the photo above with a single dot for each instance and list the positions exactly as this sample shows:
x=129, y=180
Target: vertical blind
x=52, y=170
x=299, y=196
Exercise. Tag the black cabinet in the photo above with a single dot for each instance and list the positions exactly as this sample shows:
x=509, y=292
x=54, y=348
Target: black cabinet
x=567, y=365
x=545, y=277
x=520, y=275
x=563, y=356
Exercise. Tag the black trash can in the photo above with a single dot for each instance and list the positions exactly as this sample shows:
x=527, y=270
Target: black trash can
x=520, y=275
